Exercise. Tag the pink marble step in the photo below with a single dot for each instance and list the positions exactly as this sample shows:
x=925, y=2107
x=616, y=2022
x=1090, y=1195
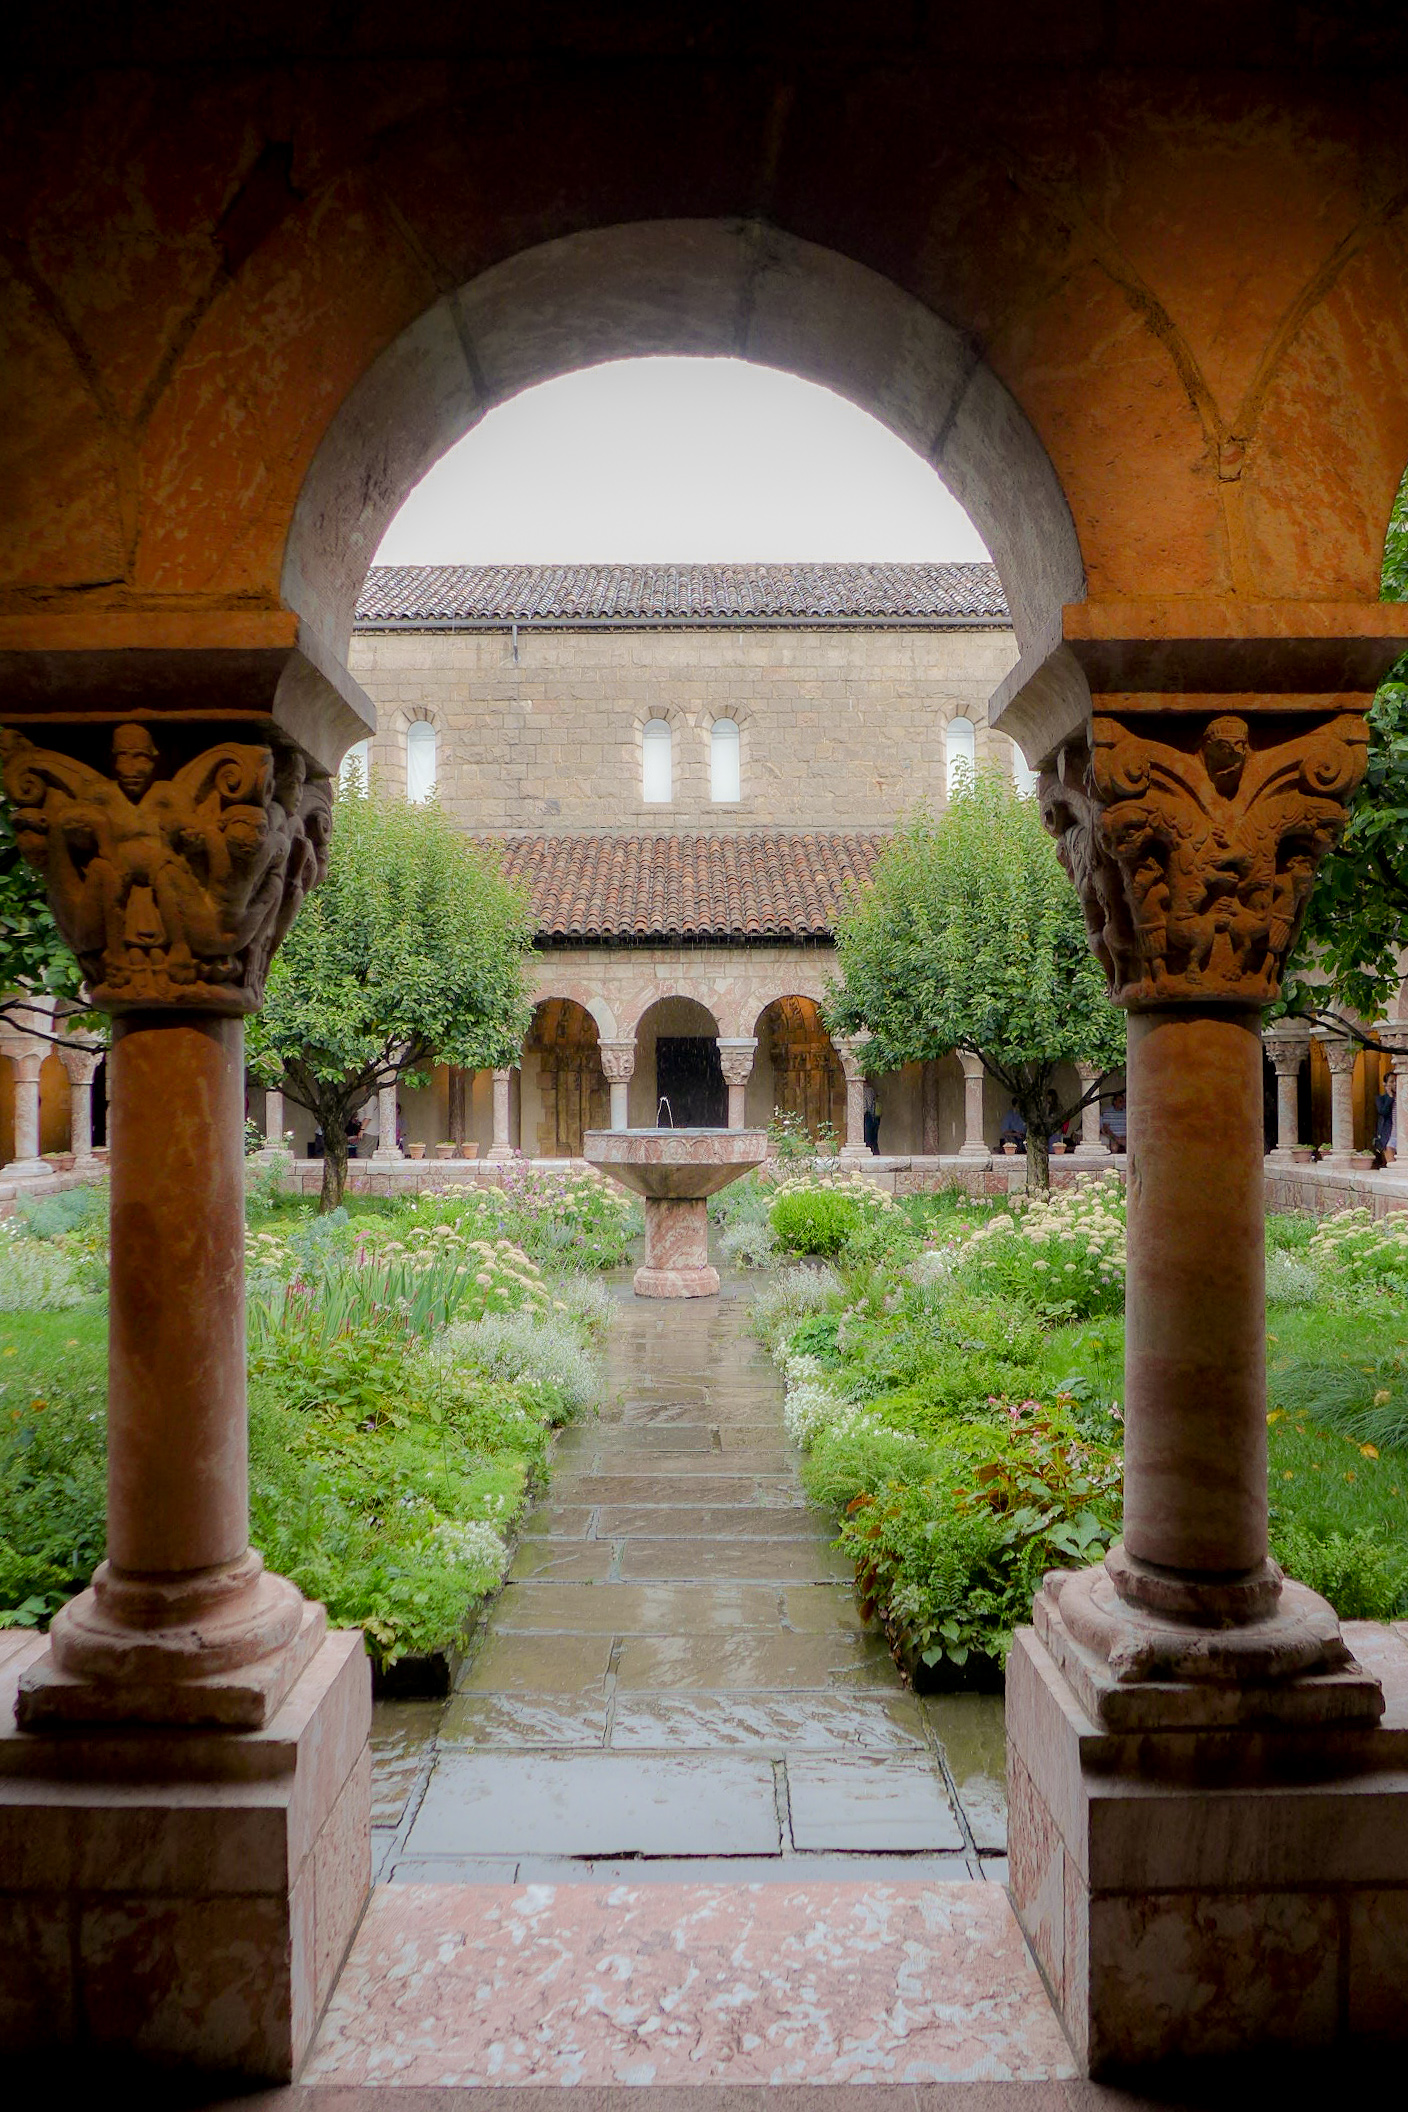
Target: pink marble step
x=598, y=1984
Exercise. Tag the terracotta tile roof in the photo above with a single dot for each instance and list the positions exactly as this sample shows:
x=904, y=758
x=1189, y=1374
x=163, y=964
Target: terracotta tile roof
x=760, y=884
x=577, y=596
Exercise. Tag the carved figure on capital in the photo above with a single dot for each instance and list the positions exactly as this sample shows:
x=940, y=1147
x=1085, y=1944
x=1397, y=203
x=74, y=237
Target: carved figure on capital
x=171, y=888
x=1194, y=864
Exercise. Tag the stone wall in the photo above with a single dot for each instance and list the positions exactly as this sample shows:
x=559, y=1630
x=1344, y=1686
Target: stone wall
x=838, y=728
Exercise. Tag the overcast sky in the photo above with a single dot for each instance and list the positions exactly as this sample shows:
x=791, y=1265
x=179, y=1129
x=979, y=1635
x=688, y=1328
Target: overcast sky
x=688, y=459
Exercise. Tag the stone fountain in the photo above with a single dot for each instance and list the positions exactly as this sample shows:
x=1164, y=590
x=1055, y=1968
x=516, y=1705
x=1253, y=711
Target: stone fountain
x=675, y=1170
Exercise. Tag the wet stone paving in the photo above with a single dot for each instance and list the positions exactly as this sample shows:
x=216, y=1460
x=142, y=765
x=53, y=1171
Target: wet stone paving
x=681, y=1820
x=676, y=1672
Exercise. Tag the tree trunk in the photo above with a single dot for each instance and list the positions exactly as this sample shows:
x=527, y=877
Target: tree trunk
x=1038, y=1160
x=334, y=1164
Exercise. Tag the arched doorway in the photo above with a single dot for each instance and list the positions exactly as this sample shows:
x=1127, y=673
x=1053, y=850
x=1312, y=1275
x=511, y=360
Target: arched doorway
x=795, y=1054
x=677, y=1060
x=564, y=1090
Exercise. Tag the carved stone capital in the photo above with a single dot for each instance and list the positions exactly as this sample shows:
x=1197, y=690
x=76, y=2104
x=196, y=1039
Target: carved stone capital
x=736, y=1054
x=1194, y=851
x=851, y=1049
x=618, y=1061
x=1287, y=1043
x=1341, y=1054
x=173, y=876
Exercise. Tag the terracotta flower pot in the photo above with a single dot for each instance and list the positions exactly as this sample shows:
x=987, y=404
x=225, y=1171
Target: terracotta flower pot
x=415, y=1151
x=1362, y=1161
x=469, y=1151
x=1011, y=1150
x=446, y=1151
x=1302, y=1154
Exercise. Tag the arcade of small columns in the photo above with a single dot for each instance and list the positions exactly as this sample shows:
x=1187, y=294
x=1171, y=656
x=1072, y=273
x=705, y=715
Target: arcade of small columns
x=1288, y=1043
x=34, y=1031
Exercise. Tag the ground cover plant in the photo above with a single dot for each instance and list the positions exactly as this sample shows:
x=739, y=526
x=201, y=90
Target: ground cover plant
x=405, y=1380
x=960, y=1411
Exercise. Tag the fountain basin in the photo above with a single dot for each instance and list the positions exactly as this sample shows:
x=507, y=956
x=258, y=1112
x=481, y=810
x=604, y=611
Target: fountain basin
x=674, y=1170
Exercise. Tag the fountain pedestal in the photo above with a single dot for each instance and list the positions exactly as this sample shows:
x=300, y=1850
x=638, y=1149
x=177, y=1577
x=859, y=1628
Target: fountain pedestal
x=674, y=1170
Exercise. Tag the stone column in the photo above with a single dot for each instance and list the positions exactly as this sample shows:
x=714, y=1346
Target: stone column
x=1341, y=1055
x=618, y=1063
x=973, y=1145
x=1287, y=1043
x=180, y=1624
x=1194, y=967
x=275, y=1146
x=388, y=1151
x=1090, y=1148
x=501, y=1148
x=82, y=1067
x=26, y=1164
x=736, y=1054
x=185, y=1684
x=1192, y=836
x=851, y=1050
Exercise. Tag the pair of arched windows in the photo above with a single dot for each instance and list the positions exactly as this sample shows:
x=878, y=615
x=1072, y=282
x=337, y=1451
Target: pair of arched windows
x=658, y=763
x=961, y=761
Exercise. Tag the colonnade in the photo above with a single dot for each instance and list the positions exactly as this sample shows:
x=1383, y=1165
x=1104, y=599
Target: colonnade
x=1288, y=1043
x=33, y=1029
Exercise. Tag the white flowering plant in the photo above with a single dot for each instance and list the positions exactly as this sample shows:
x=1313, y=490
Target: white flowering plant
x=1354, y=1248
x=1063, y=1255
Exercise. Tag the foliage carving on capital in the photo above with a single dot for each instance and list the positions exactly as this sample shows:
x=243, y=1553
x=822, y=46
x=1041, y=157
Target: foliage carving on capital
x=172, y=884
x=1194, y=863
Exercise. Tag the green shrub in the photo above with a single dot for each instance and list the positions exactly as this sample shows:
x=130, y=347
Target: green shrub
x=36, y=1276
x=53, y=1463
x=815, y=1221
x=1290, y=1280
x=1063, y=1257
x=1363, y=1577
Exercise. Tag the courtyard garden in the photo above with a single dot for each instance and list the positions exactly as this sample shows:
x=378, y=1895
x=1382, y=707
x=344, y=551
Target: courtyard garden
x=409, y=1361
x=954, y=1375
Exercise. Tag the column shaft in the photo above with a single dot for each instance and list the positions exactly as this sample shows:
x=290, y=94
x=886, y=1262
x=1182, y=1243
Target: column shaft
x=1287, y=1109
x=973, y=1145
x=1195, y=1378
x=80, y=1119
x=501, y=1148
x=27, y=1115
x=387, y=1146
x=177, y=1473
x=274, y=1118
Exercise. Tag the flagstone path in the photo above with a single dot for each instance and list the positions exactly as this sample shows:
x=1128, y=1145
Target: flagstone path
x=676, y=1672
x=682, y=1821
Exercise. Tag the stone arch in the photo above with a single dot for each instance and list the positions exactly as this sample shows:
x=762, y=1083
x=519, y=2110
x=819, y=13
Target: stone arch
x=562, y=1085
x=677, y=1016
x=796, y=1070
x=729, y=288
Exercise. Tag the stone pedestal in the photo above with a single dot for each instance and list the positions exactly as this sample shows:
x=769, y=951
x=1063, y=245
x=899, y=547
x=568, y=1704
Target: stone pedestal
x=677, y=1261
x=1196, y=1892
x=973, y=1145
x=184, y=1897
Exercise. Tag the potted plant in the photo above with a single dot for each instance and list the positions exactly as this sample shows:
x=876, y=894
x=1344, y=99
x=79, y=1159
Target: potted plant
x=415, y=1151
x=469, y=1151
x=1362, y=1161
x=1302, y=1154
x=446, y=1151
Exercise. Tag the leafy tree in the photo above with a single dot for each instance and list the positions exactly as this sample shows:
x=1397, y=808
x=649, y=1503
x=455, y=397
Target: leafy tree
x=410, y=952
x=1356, y=926
x=971, y=937
x=32, y=953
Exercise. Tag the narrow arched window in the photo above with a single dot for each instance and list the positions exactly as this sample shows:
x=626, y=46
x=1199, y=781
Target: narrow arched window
x=1023, y=776
x=723, y=760
x=959, y=753
x=420, y=761
x=356, y=764
x=657, y=763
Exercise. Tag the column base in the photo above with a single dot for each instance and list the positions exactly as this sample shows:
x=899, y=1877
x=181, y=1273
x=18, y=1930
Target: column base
x=25, y=1170
x=220, y=1648
x=184, y=1897
x=1090, y=1155
x=676, y=1283
x=1134, y=1668
x=855, y=1154
x=381, y=1157
x=1200, y=1893
x=499, y=1154
x=974, y=1151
